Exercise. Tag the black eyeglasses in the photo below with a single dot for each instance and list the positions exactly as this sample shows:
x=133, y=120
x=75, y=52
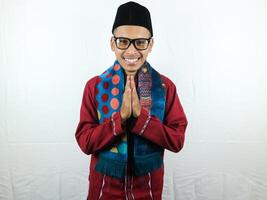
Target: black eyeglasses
x=139, y=43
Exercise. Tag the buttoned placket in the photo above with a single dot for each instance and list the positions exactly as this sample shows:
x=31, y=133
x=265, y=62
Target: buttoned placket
x=128, y=185
x=128, y=173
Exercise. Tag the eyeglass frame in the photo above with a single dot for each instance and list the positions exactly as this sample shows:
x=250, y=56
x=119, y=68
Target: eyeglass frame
x=132, y=41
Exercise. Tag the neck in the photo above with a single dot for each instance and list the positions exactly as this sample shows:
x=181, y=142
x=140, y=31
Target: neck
x=131, y=73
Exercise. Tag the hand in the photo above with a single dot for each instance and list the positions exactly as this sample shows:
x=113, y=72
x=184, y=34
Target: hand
x=130, y=102
x=126, y=109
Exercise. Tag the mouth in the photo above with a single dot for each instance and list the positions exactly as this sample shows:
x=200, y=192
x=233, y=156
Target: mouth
x=131, y=61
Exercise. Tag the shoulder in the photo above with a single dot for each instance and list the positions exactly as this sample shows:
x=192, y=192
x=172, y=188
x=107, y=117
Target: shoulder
x=91, y=83
x=171, y=91
x=168, y=82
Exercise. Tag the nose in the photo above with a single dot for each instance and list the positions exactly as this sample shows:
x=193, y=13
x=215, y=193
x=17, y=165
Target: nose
x=131, y=49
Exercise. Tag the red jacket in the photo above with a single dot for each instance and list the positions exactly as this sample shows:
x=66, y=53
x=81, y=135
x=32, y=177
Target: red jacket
x=93, y=137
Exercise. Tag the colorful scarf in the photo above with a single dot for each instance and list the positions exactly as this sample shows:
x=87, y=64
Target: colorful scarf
x=147, y=156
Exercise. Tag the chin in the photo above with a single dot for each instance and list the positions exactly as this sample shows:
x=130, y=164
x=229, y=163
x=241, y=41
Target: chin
x=133, y=68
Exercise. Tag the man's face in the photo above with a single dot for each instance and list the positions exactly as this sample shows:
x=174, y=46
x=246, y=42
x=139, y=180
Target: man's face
x=131, y=59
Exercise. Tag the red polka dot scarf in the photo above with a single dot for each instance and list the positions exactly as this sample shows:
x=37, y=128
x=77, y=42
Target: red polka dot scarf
x=145, y=156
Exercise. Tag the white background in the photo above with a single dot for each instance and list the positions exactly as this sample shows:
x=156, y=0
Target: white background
x=213, y=50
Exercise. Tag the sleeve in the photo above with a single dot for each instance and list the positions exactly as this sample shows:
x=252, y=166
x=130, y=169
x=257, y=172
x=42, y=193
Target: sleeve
x=171, y=133
x=90, y=135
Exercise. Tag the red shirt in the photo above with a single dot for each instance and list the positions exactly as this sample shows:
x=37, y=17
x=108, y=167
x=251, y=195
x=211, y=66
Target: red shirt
x=93, y=137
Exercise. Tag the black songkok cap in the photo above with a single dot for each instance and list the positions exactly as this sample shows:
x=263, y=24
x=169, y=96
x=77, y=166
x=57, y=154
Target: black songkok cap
x=132, y=13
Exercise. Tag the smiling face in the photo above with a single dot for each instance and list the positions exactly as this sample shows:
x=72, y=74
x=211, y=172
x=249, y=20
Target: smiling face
x=131, y=59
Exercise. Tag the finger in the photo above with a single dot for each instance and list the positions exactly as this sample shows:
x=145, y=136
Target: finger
x=129, y=80
x=132, y=82
x=128, y=85
x=134, y=88
x=127, y=88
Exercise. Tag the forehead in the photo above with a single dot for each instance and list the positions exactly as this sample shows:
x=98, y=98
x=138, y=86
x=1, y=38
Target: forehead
x=131, y=31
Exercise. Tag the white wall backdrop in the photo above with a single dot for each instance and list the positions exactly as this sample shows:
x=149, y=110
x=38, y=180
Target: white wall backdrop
x=213, y=50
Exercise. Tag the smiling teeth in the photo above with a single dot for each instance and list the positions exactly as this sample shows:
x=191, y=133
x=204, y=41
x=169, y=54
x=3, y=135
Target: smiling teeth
x=131, y=60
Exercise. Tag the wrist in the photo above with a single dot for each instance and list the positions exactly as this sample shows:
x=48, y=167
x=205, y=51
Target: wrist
x=123, y=118
x=138, y=112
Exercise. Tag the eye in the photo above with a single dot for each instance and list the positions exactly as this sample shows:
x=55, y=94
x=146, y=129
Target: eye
x=141, y=43
x=123, y=41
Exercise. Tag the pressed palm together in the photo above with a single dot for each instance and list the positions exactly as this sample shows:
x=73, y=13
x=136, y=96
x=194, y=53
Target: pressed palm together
x=130, y=103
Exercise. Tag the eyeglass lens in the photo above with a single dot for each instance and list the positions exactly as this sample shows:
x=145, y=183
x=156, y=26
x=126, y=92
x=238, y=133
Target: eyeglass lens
x=124, y=43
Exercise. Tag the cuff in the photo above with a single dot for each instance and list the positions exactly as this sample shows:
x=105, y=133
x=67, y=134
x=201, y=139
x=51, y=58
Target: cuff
x=142, y=122
x=116, y=124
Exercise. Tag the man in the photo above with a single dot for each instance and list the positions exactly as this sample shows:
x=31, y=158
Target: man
x=129, y=115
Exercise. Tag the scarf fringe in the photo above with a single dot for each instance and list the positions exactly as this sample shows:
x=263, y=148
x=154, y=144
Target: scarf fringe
x=111, y=167
x=145, y=164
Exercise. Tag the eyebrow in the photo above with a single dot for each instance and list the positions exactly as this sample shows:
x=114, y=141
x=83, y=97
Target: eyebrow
x=132, y=38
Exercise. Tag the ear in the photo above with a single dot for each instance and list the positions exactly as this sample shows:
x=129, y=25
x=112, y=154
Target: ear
x=112, y=43
x=151, y=43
